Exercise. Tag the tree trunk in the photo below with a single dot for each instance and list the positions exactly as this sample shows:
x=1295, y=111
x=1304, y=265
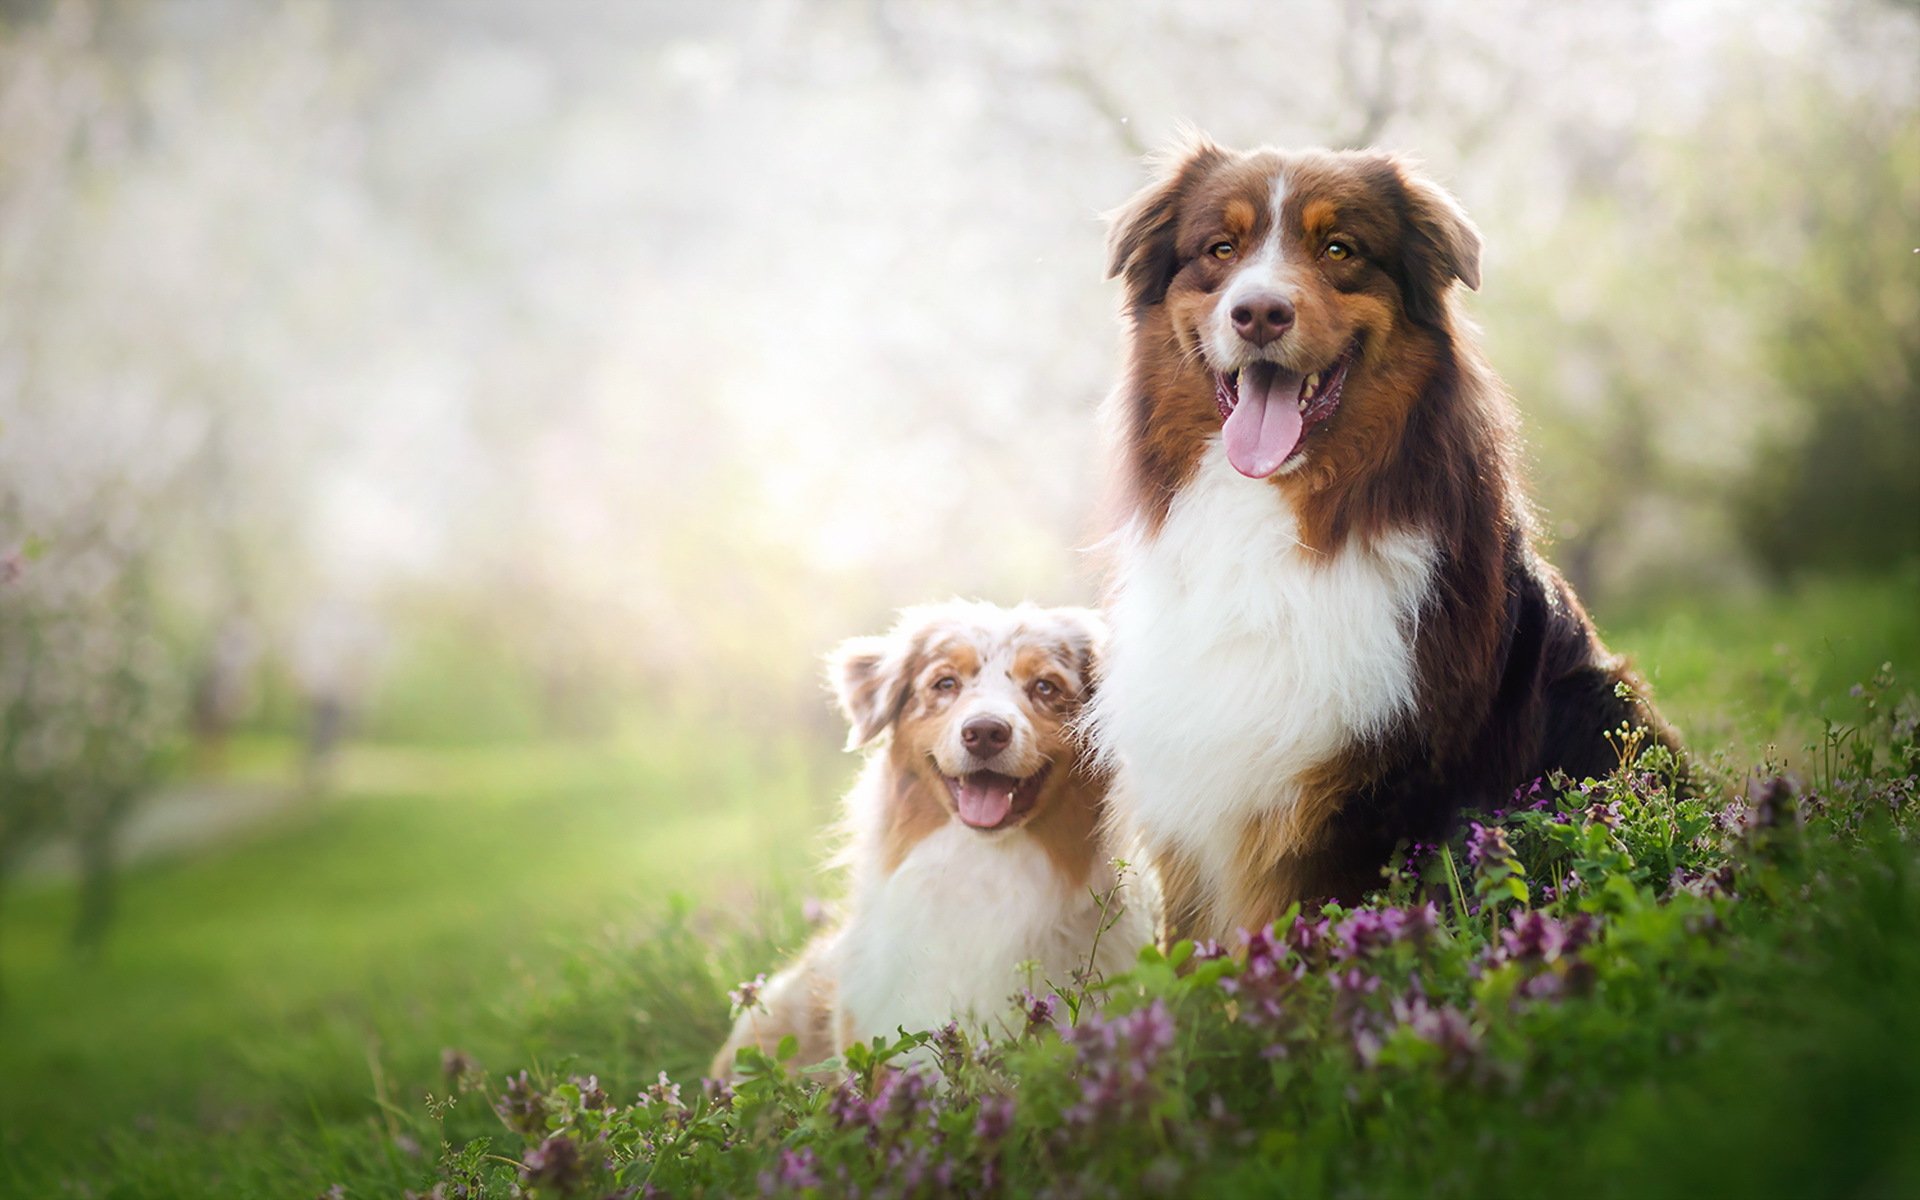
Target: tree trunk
x=98, y=881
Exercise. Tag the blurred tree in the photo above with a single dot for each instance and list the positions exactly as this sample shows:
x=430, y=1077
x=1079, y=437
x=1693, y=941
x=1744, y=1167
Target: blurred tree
x=87, y=703
x=1840, y=488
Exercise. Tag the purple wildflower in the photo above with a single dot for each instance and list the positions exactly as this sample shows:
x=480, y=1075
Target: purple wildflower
x=1260, y=985
x=1487, y=844
x=521, y=1107
x=1534, y=798
x=1366, y=1042
x=794, y=1170
x=1772, y=802
x=1307, y=939
x=1367, y=931
x=1572, y=976
x=951, y=1045
x=457, y=1065
x=556, y=1163
x=902, y=1096
x=1370, y=930
x=664, y=1093
x=995, y=1119
x=592, y=1095
x=1206, y=950
x=747, y=995
x=1446, y=1027
x=1350, y=991
x=1536, y=937
x=1039, y=1010
x=848, y=1108
x=910, y=1166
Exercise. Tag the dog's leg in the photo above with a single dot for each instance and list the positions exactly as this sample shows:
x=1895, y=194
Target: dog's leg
x=799, y=1001
x=1290, y=858
x=1186, y=901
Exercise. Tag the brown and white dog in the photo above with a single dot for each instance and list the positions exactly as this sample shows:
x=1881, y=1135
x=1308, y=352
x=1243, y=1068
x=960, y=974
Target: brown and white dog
x=1331, y=629
x=975, y=840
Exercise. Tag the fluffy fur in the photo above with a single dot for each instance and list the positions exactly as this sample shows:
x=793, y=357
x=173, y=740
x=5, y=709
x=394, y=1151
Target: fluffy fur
x=1337, y=636
x=974, y=833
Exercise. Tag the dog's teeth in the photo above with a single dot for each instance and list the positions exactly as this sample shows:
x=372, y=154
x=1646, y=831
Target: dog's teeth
x=1313, y=383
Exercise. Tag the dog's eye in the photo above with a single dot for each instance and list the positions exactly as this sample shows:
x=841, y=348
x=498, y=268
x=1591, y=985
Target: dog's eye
x=1221, y=250
x=945, y=683
x=1046, y=689
x=1338, y=250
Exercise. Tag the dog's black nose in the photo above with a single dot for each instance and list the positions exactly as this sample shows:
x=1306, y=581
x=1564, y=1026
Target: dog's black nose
x=986, y=735
x=1260, y=319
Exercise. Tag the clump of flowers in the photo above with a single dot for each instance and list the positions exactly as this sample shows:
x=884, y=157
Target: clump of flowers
x=521, y=1106
x=555, y=1163
x=794, y=1170
x=1114, y=1060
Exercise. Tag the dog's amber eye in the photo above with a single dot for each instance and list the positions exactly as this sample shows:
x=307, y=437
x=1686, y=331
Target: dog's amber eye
x=945, y=683
x=1221, y=250
x=1338, y=250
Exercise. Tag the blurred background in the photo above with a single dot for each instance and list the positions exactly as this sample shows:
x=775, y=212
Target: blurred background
x=438, y=439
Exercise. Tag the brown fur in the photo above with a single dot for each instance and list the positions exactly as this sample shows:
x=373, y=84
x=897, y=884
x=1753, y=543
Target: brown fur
x=1512, y=680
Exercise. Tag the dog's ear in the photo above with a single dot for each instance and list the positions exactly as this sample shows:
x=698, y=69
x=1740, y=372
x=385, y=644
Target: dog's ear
x=1140, y=234
x=869, y=679
x=1442, y=245
x=1085, y=632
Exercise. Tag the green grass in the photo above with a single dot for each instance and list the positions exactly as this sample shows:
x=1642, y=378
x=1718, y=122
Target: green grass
x=279, y=981
x=270, y=1011
x=1749, y=669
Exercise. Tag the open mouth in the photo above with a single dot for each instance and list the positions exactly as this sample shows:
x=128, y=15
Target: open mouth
x=1269, y=410
x=988, y=800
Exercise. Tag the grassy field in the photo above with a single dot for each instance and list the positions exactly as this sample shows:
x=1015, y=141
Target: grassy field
x=271, y=1010
x=276, y=986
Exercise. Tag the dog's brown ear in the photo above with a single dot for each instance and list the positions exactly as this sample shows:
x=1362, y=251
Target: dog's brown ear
x=1085, y=632
x=1140, y=234
x=868, y=677
x=1442, y=245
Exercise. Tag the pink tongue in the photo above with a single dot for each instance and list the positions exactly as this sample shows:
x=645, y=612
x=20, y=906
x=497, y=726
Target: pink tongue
x=984, y=798
x=1265, y=426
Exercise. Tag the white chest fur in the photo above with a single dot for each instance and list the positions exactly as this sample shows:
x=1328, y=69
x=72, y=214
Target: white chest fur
x=1240, y=660
x=944, y=935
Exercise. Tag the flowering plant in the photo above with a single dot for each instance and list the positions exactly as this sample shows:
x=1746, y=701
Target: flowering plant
x=1516, y=988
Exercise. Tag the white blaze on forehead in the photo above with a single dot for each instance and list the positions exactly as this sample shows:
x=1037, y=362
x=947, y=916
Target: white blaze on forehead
x=1275, y=205
x=1261, y=273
